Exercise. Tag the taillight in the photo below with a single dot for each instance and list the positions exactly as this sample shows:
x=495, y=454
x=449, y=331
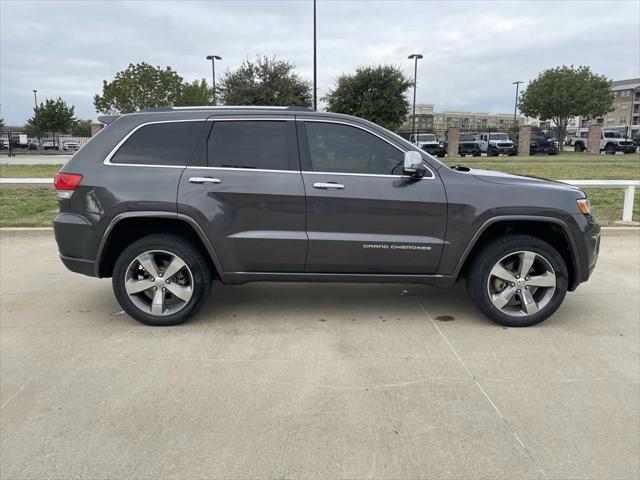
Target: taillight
x=66, y=183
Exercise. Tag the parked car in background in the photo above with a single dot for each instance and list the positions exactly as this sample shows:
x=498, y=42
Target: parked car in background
x=70, y=145
x=611, y=141
x=4, y=144
x=50, y=144
x=539, y=144
x=468, y=144
x=429, y=143
x=498, y=143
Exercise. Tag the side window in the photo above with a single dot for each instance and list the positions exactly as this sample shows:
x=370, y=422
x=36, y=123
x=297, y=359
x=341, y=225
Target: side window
x=344, y=149
x=165, y=144
x=258, y=144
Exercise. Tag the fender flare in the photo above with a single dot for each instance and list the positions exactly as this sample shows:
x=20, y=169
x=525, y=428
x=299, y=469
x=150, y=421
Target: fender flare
x=156, y=214
x=521, y=218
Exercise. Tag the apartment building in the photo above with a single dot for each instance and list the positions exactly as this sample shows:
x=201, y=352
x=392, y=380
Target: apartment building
x=429, y=120
x=625, y=115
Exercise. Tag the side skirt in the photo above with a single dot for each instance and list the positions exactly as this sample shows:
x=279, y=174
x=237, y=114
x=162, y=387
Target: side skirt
x=236, y=278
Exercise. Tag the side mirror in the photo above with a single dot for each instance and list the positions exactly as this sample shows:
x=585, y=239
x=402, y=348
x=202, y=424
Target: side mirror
x=413, y=164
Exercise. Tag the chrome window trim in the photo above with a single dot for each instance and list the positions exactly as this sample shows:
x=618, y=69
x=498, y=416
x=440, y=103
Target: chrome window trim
x=239, y=169
x=380, y=175
x=114, y=150
x=348, y=124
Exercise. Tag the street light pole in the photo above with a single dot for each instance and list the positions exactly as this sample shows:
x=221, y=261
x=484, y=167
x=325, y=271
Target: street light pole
x=213, y=59
x=515, y=106
x=35, y=98
x=415, y=57
x=315, y=69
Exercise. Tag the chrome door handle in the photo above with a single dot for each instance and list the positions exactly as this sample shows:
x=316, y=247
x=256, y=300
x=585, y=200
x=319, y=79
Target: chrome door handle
x=327, y=185
x=204, y=180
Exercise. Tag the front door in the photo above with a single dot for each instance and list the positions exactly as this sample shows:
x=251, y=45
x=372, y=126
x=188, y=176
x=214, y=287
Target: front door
x=246, y=191
x=363, y=215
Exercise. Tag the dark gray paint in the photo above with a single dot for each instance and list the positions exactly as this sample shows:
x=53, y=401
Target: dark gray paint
x=273, y=225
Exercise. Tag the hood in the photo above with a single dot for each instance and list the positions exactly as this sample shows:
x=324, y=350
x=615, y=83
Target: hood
x=502, y=178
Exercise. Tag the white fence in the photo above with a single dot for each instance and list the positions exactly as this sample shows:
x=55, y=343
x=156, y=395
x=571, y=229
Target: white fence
x=628, y=185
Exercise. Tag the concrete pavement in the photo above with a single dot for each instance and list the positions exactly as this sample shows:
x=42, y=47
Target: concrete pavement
x=315, y=380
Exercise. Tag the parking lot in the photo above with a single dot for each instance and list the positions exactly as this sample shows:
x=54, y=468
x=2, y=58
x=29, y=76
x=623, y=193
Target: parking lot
x=315, y=380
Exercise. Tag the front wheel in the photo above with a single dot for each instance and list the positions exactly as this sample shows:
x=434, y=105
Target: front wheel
x=161, y=280
x=518, y=281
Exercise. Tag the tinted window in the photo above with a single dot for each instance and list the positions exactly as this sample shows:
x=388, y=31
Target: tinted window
x=344, y=149
x=160, y=144
x=249, y=144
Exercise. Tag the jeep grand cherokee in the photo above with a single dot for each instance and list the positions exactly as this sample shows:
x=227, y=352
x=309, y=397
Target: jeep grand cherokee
x=164, y=202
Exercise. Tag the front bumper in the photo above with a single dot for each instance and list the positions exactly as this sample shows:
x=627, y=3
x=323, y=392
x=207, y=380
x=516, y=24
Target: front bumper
x=587, y=239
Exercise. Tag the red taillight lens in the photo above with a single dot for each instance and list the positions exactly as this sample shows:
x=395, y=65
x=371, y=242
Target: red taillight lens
x=67, y=181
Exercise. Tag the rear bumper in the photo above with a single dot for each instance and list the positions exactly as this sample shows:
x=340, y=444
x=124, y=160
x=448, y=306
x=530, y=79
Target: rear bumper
x=79, y=265
x=76, y=242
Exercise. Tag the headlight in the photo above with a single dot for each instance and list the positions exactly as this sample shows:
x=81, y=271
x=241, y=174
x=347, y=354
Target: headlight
x=584, y=205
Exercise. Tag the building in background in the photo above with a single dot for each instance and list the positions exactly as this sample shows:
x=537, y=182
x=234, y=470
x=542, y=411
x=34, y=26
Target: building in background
x=427, y=120
x=625, y=116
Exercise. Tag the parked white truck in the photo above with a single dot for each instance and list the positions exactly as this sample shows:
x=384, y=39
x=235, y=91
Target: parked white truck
x=494, y=144
x=611, y=141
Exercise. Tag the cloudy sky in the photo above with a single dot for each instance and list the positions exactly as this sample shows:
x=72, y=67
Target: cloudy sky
x=473, y=49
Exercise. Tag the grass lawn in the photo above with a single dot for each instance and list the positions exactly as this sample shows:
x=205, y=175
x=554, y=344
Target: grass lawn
x=27, y=206
x=22, y=171
x=35, y=206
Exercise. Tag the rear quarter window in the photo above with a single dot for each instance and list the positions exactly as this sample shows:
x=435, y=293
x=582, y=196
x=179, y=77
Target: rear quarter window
x=163, y=144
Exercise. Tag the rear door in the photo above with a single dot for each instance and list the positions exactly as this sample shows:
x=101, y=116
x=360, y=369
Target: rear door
x=245, y=189
x=363, y=215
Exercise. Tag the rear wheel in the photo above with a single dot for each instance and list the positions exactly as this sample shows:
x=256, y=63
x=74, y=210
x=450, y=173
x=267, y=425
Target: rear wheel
x=578, y=147
x=518, y=281
x=610, y=149
x=161, y=280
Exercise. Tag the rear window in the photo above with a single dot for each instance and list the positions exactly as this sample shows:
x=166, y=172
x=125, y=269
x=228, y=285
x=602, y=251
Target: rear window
x=165, y=144
x=258, y=144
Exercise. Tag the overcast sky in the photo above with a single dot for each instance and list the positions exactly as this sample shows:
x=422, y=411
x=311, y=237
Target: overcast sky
x=472, y=50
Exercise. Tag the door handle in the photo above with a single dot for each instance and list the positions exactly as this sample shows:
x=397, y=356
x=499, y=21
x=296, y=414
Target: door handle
x=328, y=185
x=204, y=180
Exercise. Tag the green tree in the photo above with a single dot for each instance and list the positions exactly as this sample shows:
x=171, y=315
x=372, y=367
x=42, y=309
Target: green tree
x=52, y=116
x=266, y=81
x=560, y=93
x=376, y=93
x=82, y=128
x=139, y=86
x=195, y=93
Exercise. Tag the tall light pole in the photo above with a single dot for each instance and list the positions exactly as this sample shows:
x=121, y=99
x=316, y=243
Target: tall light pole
x=415, y=57
x=35, y=98
x=515, y=106
x=213, y=59
x=315, y=69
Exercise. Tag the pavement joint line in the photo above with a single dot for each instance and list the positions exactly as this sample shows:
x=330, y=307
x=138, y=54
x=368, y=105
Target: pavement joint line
x=486, y=395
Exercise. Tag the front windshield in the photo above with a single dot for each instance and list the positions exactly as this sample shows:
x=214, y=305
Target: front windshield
x=612, y=135
x=498, y=136
x=426, y=137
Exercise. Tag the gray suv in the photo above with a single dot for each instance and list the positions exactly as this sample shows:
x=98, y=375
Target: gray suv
x=166, y=201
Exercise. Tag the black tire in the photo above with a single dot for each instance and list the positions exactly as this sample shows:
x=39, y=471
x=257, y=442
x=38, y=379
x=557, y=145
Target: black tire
x=578, y=147
x=609, y=149
x=484, y=261
x=491, y=152
x=195, y=261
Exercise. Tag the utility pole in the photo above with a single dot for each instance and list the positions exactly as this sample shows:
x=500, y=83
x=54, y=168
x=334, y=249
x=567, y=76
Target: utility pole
x=35, y=98
x=515, y=107
x=213, y=59
x=315, y=67
x=415, y=57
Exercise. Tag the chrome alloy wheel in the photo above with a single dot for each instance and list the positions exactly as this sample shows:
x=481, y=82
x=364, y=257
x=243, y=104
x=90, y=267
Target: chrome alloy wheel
x=521, y=284
x=159, y=283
